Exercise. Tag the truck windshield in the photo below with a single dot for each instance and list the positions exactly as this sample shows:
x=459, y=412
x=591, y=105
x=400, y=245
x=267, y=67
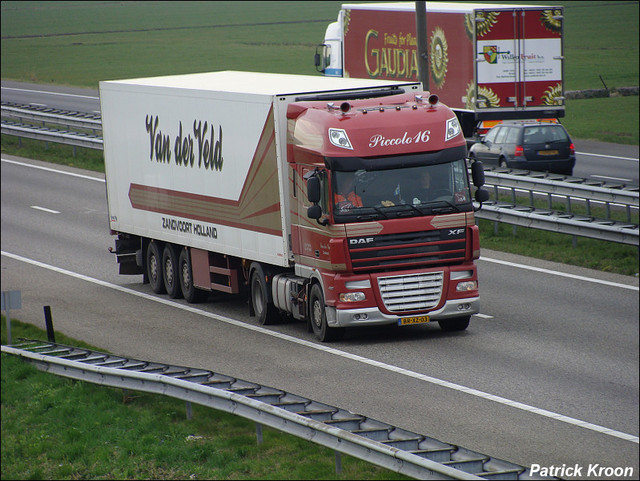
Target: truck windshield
x=363, y=195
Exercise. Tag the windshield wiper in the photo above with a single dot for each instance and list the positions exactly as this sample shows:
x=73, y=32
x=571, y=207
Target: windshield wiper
x=413, y=210
x=443, y=209
x=372, y=216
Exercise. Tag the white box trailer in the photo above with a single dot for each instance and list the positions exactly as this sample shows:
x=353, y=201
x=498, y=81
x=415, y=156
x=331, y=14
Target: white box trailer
x=207, y=183
x=200, y=147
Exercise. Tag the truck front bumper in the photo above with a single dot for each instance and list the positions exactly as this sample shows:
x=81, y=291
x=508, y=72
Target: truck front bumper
x=373, y=317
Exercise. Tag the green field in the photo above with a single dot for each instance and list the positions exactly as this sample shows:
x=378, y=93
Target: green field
x=81, y=43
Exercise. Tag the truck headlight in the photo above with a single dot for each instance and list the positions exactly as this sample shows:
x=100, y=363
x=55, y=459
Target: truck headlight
x=352, y=296
x=453, y=129
x=467, y=286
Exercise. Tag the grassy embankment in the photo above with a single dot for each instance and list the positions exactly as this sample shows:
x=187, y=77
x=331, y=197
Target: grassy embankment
x=57, y=428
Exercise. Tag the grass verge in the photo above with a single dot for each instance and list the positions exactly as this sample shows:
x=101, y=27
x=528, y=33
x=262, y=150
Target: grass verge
x=57, y=428
x=608, y=119
x=591, y=253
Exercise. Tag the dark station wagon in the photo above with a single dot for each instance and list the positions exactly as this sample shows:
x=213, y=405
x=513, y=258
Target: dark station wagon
x=539, y=146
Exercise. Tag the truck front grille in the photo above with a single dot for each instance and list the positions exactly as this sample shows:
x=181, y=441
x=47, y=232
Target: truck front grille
x=409, y=249
x=411, y=292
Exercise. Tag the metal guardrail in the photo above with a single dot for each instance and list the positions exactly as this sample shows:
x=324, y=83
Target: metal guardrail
x=47, y=134
x=569, y=190
x=373, y=441
x=22, y=121
x=50, y=115
x=534, y=184
x=563, y=186
x=554, y=221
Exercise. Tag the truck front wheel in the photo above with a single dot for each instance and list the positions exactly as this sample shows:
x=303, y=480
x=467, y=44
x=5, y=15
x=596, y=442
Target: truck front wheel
x=318, y=316
x=170, y=272
x=265, y=311
x=457, y=324
x=154, y=268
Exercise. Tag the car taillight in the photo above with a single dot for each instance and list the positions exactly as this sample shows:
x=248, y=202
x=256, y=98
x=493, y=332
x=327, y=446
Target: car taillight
x=572, y=149
x=519, y=151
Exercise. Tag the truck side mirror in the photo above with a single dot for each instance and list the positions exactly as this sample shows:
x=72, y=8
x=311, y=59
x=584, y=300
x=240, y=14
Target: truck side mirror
x=320, y=58
x=314, y=212
x=477, y=173
x=482, y=195
x=313, y=195
x=313, y=189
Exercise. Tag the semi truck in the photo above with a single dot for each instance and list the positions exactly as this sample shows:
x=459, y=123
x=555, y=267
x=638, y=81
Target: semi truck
x=231, y=181
x=488, y=62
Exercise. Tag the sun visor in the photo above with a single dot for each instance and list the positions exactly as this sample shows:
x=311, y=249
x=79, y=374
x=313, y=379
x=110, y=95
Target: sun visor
x=350, y=164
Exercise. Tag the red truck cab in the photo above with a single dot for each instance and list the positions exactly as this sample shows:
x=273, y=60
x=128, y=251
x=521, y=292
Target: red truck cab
x=403, y=252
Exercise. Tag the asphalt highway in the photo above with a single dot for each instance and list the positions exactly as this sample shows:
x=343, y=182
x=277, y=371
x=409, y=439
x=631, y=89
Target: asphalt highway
x=546, y=375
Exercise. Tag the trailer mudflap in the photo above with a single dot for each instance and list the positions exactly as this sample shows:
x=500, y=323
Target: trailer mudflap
x=128, y=253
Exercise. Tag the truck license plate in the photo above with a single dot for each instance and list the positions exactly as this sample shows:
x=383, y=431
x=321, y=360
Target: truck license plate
x=406, y=321
x=548, y=152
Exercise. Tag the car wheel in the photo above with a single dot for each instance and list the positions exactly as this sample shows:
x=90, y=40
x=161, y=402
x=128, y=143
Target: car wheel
x=503, y=163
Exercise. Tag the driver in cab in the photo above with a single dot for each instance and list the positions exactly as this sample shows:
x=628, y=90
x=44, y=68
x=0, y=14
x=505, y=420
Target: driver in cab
x=345, y=198
x=415, y=192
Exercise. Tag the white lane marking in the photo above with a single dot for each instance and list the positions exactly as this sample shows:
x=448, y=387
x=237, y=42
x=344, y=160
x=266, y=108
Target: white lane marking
x=336, y=352
x=608, y=156
x=51, y=93
x=610, y=178
x=483, y=316
x=44, y=209
x=561, y=274
x=48, y=169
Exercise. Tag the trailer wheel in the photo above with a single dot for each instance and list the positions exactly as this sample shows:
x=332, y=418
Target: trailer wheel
x=154, y=268
x=190, y=292
x=170, y=272
x=264, y=310
x=318, y=317
x=457, y=324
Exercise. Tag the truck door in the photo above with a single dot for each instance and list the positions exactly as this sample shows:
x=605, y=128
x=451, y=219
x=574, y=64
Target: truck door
x=519, y=58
